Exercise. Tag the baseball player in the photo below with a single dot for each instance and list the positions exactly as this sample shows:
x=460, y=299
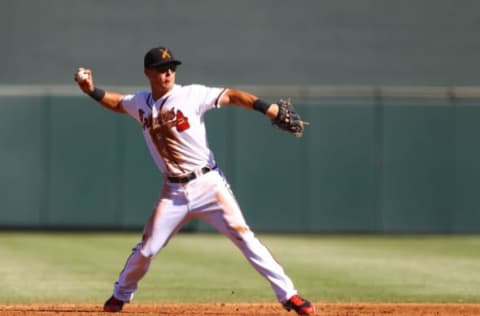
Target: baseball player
x=172, y=119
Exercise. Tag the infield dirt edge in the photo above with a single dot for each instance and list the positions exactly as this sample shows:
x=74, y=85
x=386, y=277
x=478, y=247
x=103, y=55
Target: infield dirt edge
x=244, y=309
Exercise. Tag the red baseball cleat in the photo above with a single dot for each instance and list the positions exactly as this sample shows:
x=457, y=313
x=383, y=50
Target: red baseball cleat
x=299, y=305
x=113, y=305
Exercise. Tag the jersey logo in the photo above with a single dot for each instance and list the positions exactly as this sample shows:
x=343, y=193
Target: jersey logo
x=171, y=118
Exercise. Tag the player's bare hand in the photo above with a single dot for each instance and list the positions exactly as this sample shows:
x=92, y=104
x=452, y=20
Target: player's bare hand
x=272, y=111
x=84, y=79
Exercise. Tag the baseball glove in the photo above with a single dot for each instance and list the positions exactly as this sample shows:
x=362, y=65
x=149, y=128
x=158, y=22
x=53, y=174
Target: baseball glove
x=288, y=119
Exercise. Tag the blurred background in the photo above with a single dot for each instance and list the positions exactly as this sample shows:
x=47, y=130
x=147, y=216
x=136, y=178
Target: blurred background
x=391, y=89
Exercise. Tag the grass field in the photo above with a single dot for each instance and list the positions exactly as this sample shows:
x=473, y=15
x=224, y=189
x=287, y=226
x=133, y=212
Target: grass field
x=81, y=268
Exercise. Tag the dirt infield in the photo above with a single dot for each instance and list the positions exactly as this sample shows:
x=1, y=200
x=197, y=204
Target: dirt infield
x=244, y=309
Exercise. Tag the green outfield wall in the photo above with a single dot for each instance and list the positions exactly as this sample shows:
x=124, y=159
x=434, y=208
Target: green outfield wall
x=428, y=42
x=366, y=164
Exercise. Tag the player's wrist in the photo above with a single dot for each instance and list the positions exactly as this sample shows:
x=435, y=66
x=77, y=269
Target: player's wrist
x=97, y=94
x=261, y=106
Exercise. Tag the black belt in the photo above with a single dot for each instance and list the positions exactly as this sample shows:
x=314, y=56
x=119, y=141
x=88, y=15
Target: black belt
x=190, y=176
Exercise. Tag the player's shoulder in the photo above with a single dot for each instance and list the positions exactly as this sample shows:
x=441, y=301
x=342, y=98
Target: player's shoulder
x=137, y=94
x=194, y=88
x=135, y=100
x=142, y=94
x=197, y=86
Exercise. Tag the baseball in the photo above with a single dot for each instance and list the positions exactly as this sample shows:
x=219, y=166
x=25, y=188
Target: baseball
x=82, y=75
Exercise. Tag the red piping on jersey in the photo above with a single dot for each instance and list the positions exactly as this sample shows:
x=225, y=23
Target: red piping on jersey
x=219, y=95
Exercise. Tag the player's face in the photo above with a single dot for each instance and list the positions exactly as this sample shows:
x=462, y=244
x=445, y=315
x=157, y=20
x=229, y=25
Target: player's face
x=162, y=77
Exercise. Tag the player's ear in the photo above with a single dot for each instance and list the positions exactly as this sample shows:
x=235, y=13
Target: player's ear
x=148, y=73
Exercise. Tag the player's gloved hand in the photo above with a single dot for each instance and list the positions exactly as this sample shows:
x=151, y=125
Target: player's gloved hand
x=288, y=119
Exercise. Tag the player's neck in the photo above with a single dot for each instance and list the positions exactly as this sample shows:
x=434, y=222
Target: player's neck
x=157, y=92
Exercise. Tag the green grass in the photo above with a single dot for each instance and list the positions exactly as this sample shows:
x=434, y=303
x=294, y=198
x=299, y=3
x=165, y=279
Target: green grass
x=81, y=267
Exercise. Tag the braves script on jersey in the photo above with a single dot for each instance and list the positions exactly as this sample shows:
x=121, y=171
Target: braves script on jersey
x=173, y=126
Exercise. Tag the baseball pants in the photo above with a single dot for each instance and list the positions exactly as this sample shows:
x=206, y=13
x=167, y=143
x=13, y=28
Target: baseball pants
x=210, y=199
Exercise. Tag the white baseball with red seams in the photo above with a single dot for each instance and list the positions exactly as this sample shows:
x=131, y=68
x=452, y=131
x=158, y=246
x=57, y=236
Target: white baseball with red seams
x=174, y=130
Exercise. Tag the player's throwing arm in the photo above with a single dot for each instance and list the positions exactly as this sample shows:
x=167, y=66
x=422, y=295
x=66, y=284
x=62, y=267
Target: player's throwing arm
x=110, y=100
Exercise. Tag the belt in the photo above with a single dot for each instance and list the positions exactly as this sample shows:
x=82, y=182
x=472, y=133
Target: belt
x=192, y=175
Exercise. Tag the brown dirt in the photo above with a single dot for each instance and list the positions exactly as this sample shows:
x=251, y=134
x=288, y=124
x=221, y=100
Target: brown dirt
x=244, y=309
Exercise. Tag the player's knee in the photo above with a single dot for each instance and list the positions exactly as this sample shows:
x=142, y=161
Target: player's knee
x=242, y=237
x=151, y=248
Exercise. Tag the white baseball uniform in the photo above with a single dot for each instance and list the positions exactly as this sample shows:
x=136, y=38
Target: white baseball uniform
x=194, y=186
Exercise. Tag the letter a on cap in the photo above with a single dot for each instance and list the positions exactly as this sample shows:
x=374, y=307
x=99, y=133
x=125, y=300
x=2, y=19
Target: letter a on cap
x=166, y=54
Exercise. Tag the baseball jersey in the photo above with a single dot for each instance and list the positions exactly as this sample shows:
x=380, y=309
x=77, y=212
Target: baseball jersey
x=174, y=126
